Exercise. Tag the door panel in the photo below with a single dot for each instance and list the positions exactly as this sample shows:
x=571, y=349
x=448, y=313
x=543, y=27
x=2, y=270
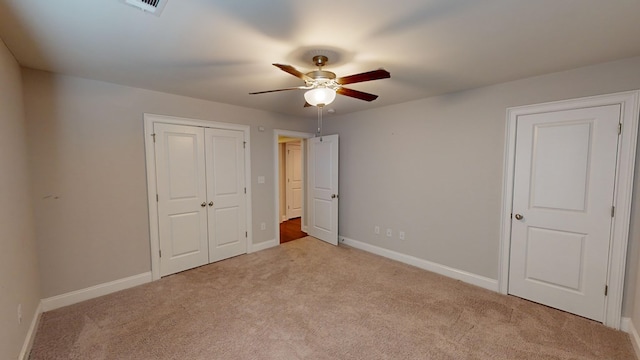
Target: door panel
x=180, y=176
x=563, y=188
x=323, y=188
x=225, y=186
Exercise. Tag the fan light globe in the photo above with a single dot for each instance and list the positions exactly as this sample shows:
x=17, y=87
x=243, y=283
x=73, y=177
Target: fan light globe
x=320, y=96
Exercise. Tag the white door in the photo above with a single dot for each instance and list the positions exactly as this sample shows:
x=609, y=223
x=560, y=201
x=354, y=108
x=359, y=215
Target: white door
x=294, y=179
x=181, y=186
x=562, y=208
x=323, y=188
x=226, y=189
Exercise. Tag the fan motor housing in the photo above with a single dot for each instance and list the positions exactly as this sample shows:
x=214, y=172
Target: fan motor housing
x=321, y=75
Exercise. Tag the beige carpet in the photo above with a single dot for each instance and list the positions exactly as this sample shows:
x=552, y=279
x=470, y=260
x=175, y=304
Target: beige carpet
x=309, y=300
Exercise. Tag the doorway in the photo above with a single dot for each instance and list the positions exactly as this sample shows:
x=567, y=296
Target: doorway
x=558, y=155
x=290, y=185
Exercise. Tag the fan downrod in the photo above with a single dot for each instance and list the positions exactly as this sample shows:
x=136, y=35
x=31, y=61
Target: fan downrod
x=320, y=60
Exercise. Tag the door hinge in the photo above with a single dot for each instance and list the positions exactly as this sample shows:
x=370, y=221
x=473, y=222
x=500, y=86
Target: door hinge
x=154, y=137
x=512, y=215
x=244, y=144
x=246, y=234
x=157, y=198
x=160, y=252
x=619, y=128
x=606, y=290
x=245, y=190
x=613, y=211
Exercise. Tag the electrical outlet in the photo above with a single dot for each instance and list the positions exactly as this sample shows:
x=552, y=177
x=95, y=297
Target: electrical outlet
x=263, y=226
x=389, y=233
x=19, y=313
x=401, y=235
x=376, y=230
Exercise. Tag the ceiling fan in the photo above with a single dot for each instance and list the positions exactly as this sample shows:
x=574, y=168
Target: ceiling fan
x=323, y=85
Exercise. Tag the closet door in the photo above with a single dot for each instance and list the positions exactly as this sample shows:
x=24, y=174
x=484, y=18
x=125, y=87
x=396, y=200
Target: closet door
x=181, y=186
x=226, y=189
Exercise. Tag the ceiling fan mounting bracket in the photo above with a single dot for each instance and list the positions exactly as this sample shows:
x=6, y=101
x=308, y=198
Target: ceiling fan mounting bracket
x=320, y=60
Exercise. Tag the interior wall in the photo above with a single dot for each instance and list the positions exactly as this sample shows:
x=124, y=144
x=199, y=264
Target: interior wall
x=89, y=177
x=19, y=284
x=433, y=168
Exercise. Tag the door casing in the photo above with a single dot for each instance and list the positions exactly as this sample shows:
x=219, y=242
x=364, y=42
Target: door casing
x=149, y=120
x=630, y=104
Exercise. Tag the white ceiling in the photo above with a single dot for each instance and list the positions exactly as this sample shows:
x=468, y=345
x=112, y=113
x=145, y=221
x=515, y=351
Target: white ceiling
x=221, y=50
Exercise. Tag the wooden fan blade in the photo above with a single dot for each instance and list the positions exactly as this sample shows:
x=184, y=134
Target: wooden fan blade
x=293, y=71
x=270, y=91
x=366, y=76
x=356, y=94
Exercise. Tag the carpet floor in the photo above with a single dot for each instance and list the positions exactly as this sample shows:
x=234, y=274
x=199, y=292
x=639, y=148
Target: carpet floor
x=309, y=300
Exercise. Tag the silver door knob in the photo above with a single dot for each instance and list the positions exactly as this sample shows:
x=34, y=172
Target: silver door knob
x=203, y=204
x=210, y=203
x=519, y=217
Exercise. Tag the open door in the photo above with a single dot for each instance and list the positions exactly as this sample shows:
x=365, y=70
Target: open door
x=323, y=188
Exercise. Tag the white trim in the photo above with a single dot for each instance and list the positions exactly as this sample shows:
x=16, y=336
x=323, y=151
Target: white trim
x=31, y=333
x=630, y=107
x=77, y=296
x=265, y=245
x=627, y=326
x=149, y=120
x=276, y=177
x=470, y=278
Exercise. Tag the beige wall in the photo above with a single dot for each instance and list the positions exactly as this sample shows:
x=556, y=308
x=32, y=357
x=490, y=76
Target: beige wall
x=88, y=165
x=433, y=168
x=18, y=265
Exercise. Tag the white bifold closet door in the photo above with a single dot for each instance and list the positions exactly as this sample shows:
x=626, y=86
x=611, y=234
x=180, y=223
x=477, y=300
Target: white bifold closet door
x=226, y=189
x=201, y=196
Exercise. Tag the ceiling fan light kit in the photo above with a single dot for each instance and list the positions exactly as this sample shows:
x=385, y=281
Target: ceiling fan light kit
x=320, y=96
x=322, y=86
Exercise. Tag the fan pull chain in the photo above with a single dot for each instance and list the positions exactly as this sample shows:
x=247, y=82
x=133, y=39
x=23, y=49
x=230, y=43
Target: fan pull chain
x=320, y=120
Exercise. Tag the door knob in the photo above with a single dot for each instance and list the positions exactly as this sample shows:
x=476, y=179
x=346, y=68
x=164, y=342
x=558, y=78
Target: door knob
x=210, y=203
x=334, y=196
x=519, y=217
x=203, y=204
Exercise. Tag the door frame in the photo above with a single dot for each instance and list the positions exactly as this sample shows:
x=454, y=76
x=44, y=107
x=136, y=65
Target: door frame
x=149, y=121
x=276, y=171
x=630, y=110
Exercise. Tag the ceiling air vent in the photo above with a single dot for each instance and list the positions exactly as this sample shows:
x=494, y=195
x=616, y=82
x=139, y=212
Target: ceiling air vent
x=154, y=7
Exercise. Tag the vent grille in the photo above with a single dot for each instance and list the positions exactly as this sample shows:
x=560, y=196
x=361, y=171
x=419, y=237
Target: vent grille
x=151, y=6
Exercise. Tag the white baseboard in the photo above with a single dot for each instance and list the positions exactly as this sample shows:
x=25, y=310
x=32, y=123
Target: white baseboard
x=627, y=326
x=31, y=334
x=264, y=245
x=461, y=275
x=77, y=296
